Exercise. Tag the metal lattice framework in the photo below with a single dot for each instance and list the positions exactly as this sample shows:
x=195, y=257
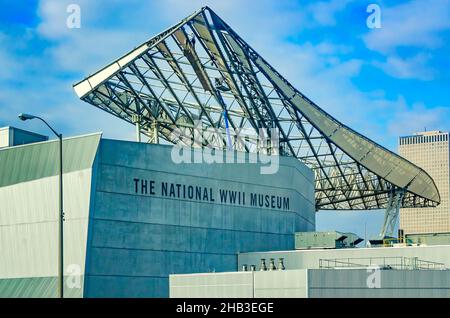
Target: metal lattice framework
x=200, y=69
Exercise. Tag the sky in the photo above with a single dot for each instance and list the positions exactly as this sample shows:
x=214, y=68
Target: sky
x=383, y=82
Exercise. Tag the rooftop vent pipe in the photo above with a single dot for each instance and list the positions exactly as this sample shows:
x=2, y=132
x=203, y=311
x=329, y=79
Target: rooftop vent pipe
x=281, y=264
x=272, y=265
x=263, y=266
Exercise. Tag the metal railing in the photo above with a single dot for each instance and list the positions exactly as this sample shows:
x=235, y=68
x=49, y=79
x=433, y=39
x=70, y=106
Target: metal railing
x=394, y=262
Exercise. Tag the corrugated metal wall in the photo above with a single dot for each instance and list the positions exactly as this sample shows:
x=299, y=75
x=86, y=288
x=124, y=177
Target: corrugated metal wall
x=29, y=215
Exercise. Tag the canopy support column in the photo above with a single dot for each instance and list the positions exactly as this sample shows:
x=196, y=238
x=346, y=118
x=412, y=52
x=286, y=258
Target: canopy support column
x=392, y=212
x=137, y=121
x=153, y=133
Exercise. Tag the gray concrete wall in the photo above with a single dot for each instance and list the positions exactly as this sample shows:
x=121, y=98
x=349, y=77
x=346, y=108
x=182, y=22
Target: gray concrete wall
x=352, y=283
x=217, y=285
x=136, y=240
x=281, y=284
x=276, y=284
x=313, y=283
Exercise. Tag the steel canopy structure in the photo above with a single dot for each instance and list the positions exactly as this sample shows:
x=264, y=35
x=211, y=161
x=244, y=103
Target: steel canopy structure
x=201, y=70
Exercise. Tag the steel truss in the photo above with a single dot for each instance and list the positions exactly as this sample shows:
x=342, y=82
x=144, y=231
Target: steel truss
x=200, y=69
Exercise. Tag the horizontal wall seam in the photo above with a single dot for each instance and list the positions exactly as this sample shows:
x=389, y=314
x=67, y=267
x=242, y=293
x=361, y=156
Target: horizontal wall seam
x=194, y=227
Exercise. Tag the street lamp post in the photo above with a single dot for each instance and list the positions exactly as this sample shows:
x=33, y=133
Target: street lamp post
x=61, y=211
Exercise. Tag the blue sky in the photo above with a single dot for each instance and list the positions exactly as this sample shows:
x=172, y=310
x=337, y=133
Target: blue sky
x=382, y=82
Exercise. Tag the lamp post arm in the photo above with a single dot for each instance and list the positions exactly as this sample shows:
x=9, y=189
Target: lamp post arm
x=57, y=135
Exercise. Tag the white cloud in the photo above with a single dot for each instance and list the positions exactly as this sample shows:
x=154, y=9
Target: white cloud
x=53, y=14
x=88, y=49
x=84, y=49
x=324, y=12
x=56, y=101
x=10, y=66
x=410, y=68
x=415, y=25
x=87, y=52
x=327, y=48
x=419, y=118
x=318, y=70
x=412, y=24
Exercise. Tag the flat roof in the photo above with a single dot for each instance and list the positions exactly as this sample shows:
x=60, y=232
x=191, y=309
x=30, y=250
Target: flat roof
x=22, y=130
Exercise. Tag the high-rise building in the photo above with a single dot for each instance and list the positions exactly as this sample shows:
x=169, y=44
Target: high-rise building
x=430, y=151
